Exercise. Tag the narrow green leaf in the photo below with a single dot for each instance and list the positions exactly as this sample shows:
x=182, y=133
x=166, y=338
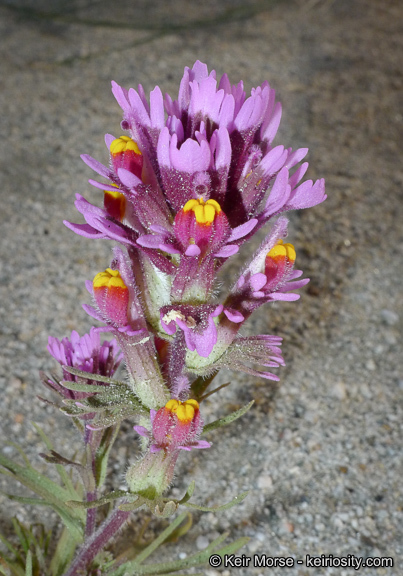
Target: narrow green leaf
x=90, y=376
x=26, y=500
x=102, y=454
x=181, y=530
x=21, y=452
x=228, y=419
x=9, y=546
x=63, y=554
x=21, y=536
x=130, y=506
x=202, y=398
x=28, y=565
x=80, y=387
x=133, y=569
x=53, y=494
x=201, y=384
x=233, y=547
x=234, y=502
x=74, y=526
x=159, y=540
x=64, y=476
x=95, y=503
x=189, y=493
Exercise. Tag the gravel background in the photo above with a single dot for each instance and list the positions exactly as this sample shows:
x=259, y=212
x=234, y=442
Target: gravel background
x=322, y=452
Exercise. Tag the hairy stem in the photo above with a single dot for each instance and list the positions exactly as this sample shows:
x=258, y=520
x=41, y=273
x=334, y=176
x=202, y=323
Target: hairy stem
x=97, y=541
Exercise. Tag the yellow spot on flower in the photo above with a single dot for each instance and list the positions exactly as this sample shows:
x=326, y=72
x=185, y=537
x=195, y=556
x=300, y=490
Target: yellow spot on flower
x=122, y=144
x=109, y=279
x=185, y=411
x=283, y=250
x=205, y=212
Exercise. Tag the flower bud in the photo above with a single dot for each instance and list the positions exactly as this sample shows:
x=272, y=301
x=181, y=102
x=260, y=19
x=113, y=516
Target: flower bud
x=201, y=223
x=279, y=260
x=112, y=296
x=177, y=424
x=126, y=154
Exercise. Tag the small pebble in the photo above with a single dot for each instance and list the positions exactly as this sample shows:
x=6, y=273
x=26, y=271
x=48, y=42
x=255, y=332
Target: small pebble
x=264, y=482
x=389, y=317
x=201, y=542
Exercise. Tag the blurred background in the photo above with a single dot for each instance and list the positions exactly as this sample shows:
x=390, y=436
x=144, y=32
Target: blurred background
x=321, y=452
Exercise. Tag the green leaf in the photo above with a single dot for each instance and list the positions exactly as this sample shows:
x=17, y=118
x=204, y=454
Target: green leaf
x=161, y=538
x=63, y=554
x=10, y=547
x=18, y=529
x=134, y=569
x=234, y=502
x=228, y=419
x=102, y=454
x=51, y=493
x=189, y=493
x=90, y=376
x=65, y=478
x=28, y=565
x=96, y=503
x=201, y=384
x=80, y=387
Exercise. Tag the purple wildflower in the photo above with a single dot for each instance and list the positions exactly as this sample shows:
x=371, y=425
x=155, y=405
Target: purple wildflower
x=85, y=353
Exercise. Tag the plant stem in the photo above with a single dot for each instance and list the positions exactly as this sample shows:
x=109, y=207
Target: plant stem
x=97, y=541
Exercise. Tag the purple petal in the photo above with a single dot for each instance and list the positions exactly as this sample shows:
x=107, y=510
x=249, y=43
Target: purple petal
x=121, y=96
x=308, y=195
x=223, y=149
x=92, y=312
x=269, y=130
x=298, y=175
x=142, y=431
x=273, y=161
x=242, y=230
x=257, y=281
x=227, y=251
x=89, y=286
x=84, y=230
x=96, y=166
x=157, y=109
x=109, y=138
x=191, y=157
x=138, y=109
x=150, y=241
x=163, y=148
x=287, y=297
x=168, y=248
x=192, y=250
x=296, y=157
x=102, y=186
x=128, y=178
x=234, y=315
x=279, y=193
x=201, y=444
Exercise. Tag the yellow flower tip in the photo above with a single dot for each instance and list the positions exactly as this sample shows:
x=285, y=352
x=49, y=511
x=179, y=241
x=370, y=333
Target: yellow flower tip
x=205, y=212
x=110, y=278
x=172, y=405
x=123, y=144
x=281, y=250
x=185, y=411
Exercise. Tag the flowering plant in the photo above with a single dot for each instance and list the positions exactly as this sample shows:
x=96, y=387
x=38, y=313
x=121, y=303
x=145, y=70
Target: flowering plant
x=191, y=181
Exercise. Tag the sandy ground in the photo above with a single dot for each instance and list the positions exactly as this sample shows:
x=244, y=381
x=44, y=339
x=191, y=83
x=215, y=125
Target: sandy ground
x=322, y=452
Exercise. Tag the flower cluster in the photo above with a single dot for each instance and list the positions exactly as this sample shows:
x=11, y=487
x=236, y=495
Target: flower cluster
x=191, y=181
